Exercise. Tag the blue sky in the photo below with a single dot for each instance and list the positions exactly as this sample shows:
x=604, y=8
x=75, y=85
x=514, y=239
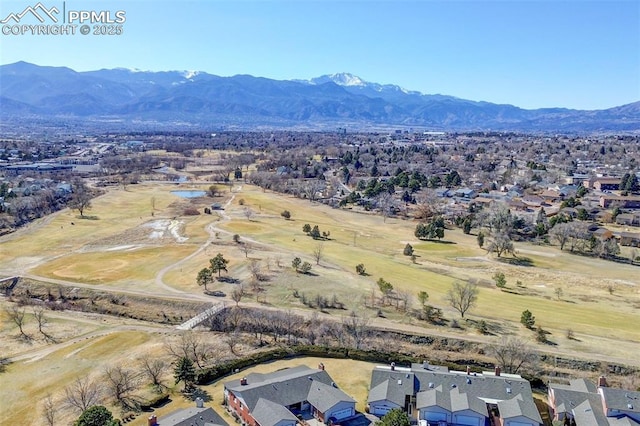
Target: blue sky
x=544, y=53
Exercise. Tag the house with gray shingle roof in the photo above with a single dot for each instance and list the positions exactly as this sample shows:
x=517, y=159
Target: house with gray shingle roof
x=391, y=388
x=278, y=398
x=270, y=413
x=587, y=404
x=434, y=404
x=516, y=411
x=437, y=396
x=620, y=403
x=199, y=415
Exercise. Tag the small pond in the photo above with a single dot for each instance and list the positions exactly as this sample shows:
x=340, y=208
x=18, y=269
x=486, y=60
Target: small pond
x=189, y=193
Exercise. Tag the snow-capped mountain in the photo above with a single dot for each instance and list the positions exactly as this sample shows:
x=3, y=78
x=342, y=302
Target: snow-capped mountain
x=348, y=80
x=190, y=74
x=341, y=79
x=201, y=99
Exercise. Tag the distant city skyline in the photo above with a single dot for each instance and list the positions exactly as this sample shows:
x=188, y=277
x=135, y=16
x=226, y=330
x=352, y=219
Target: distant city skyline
x=533, y=54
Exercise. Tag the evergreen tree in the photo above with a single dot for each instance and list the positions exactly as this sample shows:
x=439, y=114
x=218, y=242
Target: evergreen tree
x=395, y=417
x=480, y=239
x=97, y=415
x=185, y=372
x=205, y=276
x=218, y=264
x=295, y=263
x=315, y=232
x=527, y=319
x=500, y=279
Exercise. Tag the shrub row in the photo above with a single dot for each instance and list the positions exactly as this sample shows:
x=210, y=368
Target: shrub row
x=208, y=375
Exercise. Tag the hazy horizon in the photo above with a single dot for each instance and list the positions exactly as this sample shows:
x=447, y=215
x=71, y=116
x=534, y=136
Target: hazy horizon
x=532, y=54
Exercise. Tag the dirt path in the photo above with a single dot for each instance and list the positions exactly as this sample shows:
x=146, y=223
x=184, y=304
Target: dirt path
x=37, y=354
x=211, y=230
x=168, y=292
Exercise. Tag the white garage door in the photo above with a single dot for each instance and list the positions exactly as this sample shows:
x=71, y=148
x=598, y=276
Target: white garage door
x=467, y=420
x=381, y=411
x=434, y=417
x=341, y=414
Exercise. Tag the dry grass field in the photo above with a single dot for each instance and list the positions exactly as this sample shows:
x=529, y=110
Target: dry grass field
x=85, y=345
x=119, y=250
x=139, y=240
x=586, y=306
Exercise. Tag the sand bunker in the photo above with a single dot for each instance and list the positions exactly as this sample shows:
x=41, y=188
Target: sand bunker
x=165, y=228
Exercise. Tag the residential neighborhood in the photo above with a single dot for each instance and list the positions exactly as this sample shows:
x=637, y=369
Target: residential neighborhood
x=436, y=396
x=408, y=218
x=431, y=395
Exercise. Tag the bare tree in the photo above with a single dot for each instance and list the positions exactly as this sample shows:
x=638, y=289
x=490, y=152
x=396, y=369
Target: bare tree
x=500, y=219
x=312, y=189
x=291, y=324
x=256, y=288
x=357, y=327
x=82, y=394
x=579, y=234
x=558, y=292
x=312, y=328
x=81, y=198
x=274, y=324
x=49, y=410
x=120, y=383
x=248, y=213
x=561, y=234
x=462, y=297
x=191, y=346
x=501, y=244
x=386, y=205
x=17, y=316
x=428, y=205
x=258, y=324
x=513, y=354
x=256, y=270
x=317, y=252
x=403, y=298
x=246, y=249
x=38, y=314
x=608, y=248
x=153, y=368
x=232, y=339
x=237, y=294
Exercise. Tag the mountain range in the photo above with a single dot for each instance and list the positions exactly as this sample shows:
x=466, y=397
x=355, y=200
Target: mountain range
x=176, y=99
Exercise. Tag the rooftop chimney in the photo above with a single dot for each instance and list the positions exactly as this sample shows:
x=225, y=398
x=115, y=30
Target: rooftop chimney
x=321, y=366
x=425, y=365
x=243, y=381
x=602, y=382
x=152, y=421
x=393, y=366
x=468, y=370
x=497, y=370
x=199, y=402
